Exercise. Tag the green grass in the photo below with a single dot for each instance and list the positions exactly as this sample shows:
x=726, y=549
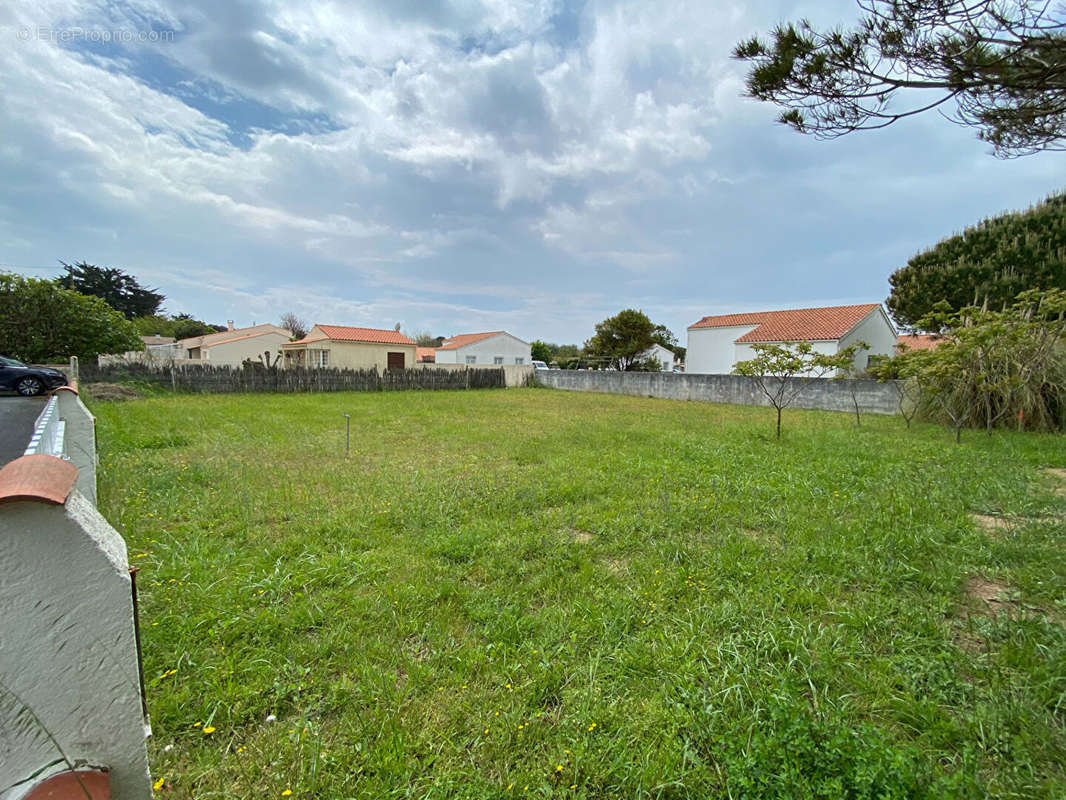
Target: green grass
x=540, y=593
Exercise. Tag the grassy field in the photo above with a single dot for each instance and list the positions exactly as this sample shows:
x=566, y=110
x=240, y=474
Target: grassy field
x=548, y=594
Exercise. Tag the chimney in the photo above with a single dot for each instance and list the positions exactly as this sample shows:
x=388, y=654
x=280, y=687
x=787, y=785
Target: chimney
x=229, y=322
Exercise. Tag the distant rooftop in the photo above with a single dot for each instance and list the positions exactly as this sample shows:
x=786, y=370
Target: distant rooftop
x=793, y=325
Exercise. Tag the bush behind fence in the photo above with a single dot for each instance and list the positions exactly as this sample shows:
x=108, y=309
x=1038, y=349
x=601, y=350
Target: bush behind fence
x=213, y=379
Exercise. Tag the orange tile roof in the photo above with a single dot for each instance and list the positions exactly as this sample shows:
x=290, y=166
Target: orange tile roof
x=793, y=325
x=341, y=333
x=463, y=339
x=426, y=354
x=919, y=341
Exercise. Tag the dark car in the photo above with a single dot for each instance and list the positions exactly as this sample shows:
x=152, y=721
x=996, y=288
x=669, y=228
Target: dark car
x=26, y=380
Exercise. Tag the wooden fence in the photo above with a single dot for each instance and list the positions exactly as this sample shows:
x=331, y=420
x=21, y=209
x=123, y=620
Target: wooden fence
x=209, y=379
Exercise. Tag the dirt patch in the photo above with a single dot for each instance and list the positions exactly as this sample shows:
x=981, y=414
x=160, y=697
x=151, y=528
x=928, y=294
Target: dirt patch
x=616, y=566
x=993, y=525
x=767, y=539
x=417, y=648
x=578, y=535
x=1059, y=475
x=984, y=599
x=988, y=595
x=111, y=392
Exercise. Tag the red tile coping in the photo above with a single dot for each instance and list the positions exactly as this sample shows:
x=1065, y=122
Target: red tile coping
x=39, y=477
x=68, y=388
x=73, y=786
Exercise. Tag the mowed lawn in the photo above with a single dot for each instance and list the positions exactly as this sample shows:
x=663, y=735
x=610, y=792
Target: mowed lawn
x=535, y=593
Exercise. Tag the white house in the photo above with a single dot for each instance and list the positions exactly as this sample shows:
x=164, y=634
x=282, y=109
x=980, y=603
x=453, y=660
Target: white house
x=234, y=346
x=497, y=348
x=663, y=355
x=716, y=343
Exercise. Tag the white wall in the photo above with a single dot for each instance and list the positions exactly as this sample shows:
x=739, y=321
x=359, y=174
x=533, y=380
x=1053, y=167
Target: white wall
x=486, y=351
x=745, y=351
x=711, y=350
x=68, y=650
x=664, y=355
x=876, y=330
x=234, y=353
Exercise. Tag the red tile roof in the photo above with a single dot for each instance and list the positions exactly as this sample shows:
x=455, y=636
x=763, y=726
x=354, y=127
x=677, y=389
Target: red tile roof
x=919, y=341
x=341, y=333
x=427, y=355
x=463, y=339
x=793, y=325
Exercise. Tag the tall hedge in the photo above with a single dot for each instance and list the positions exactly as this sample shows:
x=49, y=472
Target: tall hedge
x=42, y=322
x=993, y=261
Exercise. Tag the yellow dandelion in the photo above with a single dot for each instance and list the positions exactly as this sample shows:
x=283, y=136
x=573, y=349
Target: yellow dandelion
x=486, y=730
x=209, y=729
x=158, y=784
x=286, y=793
x=510, y=786
x=197, y=724
x=558, y=767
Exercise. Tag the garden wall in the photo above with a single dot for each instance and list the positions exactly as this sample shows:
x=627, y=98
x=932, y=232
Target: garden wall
x=204, y=378
x=874, y=397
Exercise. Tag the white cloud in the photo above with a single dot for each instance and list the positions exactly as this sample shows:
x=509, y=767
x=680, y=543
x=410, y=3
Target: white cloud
x=467, y=163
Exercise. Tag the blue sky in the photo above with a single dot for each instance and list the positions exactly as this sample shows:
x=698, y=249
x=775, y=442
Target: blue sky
x=458, y=166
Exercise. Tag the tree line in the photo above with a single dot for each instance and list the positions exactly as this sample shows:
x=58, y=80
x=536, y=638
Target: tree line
x=85, y=311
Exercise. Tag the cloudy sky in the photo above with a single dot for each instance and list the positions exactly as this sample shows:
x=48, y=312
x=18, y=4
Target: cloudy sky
x=458, y=166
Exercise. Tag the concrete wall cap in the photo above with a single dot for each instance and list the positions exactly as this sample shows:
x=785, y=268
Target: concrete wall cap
x=46, y=479
x=67, y=388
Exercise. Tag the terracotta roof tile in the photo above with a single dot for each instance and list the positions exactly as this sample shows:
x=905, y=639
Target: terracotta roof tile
x=341, y=333
x=39, y=477
x=919, y=341
x=793, y=325
x=463, y=339
x=426, y=355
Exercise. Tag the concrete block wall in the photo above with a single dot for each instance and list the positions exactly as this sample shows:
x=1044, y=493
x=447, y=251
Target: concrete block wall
x=817, y=393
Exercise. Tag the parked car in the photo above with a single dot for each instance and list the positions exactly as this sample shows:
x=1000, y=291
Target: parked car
x=26, y=380
x=539, y=365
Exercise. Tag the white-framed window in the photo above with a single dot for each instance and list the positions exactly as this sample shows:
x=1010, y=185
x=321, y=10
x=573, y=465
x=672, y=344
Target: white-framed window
x=497, y=360
x=320, y=358
x=520, y=360
x=471, y=359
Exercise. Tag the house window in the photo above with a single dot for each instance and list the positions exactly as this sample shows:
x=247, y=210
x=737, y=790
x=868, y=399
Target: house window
x=520, y=360
x=320, y=358
x=471, y=359
x=497, y=360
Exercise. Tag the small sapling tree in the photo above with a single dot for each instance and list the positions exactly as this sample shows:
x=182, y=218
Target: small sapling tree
x=779, y=369
x=849, y=372
x=904, y=376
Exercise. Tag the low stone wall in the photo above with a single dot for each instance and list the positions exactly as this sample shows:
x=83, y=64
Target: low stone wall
x=825, y=394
